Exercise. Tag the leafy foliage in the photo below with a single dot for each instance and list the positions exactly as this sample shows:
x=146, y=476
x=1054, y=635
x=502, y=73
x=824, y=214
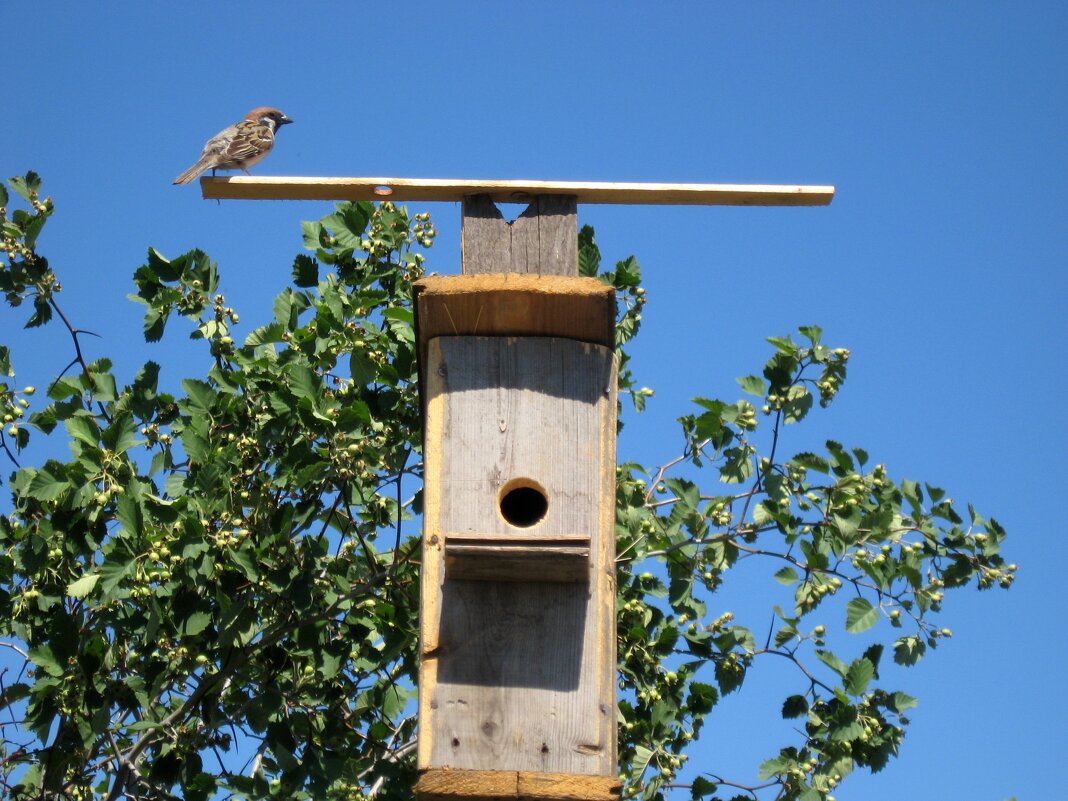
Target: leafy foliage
x=216, y=595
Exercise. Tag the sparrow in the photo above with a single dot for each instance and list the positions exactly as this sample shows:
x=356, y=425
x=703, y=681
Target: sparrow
x=240, y=146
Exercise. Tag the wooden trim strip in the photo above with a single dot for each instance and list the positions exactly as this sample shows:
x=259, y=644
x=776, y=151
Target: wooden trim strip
x=445, y=784
x=242, y=187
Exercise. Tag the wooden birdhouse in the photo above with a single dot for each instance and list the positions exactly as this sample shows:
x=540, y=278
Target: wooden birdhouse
x=518, y=378
x=517, y=686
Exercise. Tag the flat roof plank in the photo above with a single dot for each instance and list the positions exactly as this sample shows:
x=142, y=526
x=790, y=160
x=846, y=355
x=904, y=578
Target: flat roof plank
x=243, y=187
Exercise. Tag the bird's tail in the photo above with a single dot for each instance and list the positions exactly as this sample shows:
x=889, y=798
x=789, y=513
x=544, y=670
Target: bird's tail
x=193, y=171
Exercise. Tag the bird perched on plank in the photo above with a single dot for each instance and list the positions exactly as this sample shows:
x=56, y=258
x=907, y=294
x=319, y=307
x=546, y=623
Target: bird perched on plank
x=240, y=146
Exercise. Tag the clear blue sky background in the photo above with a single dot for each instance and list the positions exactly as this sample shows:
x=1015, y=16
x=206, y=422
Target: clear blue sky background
x=941, y=263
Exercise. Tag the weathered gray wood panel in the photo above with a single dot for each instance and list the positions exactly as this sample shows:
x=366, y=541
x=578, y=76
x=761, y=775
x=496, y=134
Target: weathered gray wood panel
x=519, y=676
x=543, y=239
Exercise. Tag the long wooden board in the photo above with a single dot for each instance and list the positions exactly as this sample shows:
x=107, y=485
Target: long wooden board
x=243, y=187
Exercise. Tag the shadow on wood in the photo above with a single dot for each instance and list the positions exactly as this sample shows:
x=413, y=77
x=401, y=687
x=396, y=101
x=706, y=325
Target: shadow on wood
x=513, y=635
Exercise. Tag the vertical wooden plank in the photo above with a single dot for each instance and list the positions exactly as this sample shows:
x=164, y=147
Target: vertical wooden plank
x=558, y=234
x=433, y=568
x=485, y=238
x=525, y=236
x=604, y=566
x=519, y=676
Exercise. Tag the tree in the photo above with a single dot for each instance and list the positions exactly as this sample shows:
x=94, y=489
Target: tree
x=216, y=595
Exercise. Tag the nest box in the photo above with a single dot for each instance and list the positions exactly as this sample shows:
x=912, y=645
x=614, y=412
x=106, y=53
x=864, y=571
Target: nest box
x=517, y=684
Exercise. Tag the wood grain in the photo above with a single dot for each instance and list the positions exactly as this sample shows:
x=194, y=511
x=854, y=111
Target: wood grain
x=244, y=187
x=484, y=785
x=519, y=675
x=505, y=304
x=517, y=557
x=542, y=240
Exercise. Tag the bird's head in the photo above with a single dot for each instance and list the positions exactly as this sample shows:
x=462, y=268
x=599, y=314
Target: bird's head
x=268, y=116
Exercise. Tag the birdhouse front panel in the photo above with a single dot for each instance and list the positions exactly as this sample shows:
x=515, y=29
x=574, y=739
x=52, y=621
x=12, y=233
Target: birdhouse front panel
x=518, y=618
x=522, y=455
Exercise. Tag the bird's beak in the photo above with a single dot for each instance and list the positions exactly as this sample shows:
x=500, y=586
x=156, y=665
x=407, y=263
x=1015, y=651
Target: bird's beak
x=285, y=120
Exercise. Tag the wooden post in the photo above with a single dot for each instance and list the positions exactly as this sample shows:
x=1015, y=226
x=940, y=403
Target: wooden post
x=542, y=240
x=517, y=680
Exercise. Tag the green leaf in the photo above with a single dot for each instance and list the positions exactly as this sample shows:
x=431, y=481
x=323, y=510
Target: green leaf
x=784, y=345
x=49, y=483
x=702, y=787
x=264, y=335
x=843, y=462
x=729, y=675
x=44, y=658
x=33, y=230
x=155, y=324
x=130, y=514
x=811, y=461
x=305, y=271
x=588, y=252
x=753, y=385
x=25, y=185
x=860, y=615
x=83, y=586
x=196, y=623
x=201, y=396
x=787, y=576
x=84, y=429
x=795, y=706
x=762, y=515
x=247, y=563
x=362, y=369
x=399, y=313
x=313, y=234
x=774, y=766
x=858, y=676
x=113, y=571
x=121, y=434
x=347, y=224
x=305, y=383
x=847, y=731
x=874, y=654
x=738, y=465
x=847, y=526
x=798, y=403
x=901, y=702
x=288, y=307
x=909, y=650
x=832, y=661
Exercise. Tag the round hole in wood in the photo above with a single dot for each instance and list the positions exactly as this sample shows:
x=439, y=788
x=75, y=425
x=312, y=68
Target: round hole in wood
x=523, y=502
x=383, y=191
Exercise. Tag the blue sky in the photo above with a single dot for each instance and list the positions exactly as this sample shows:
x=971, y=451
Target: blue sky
x=941, y=263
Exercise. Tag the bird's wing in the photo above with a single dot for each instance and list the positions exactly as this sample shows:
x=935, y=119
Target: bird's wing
x=217, y=145
x=250, y=139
